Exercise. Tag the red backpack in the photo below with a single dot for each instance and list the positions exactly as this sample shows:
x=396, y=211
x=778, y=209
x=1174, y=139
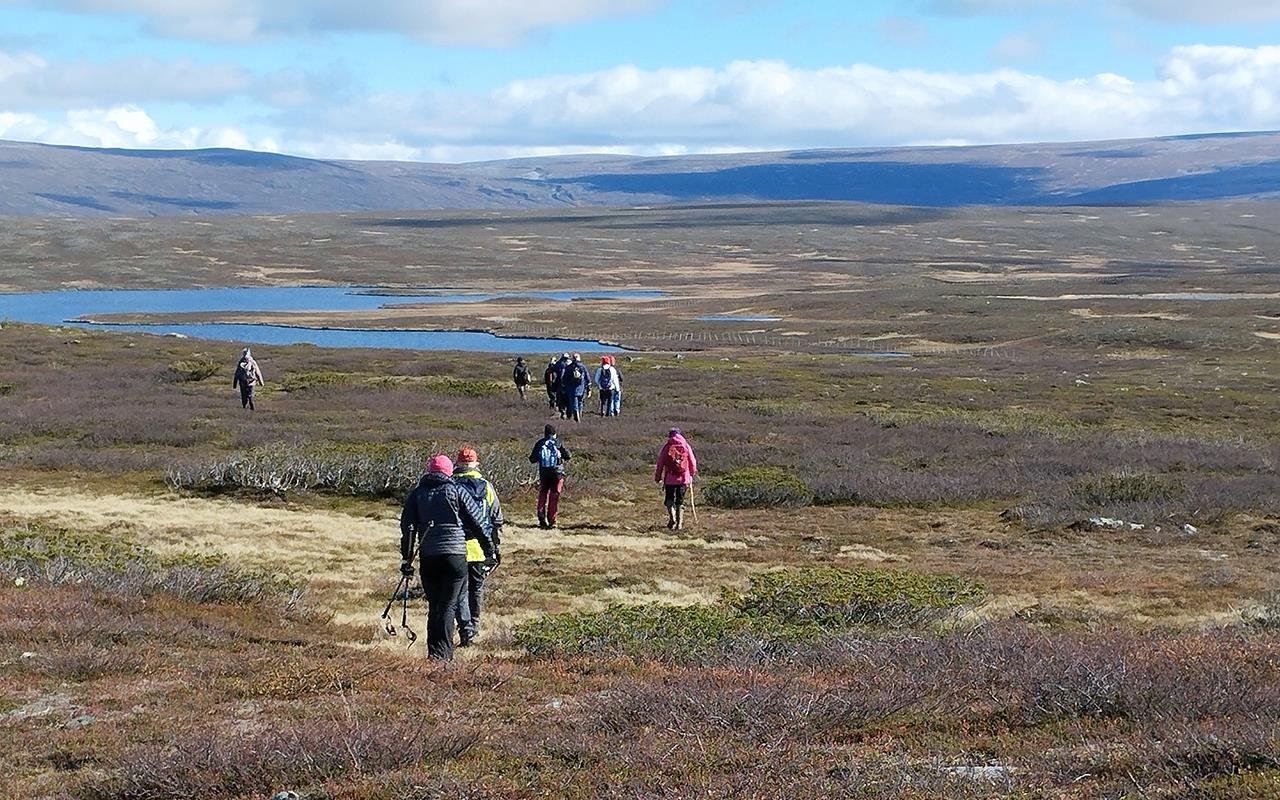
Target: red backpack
x=678, y=456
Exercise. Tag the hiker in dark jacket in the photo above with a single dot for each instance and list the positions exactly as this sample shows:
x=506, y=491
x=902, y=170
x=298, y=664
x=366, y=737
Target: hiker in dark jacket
x=467, y=475
x=247, y=375
x=554, y=380
x=439, y=515
x=520, y=376
x=575, y=384
x=549, y=454
x=549, y=379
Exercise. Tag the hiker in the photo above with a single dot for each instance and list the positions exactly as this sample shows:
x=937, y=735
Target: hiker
x=551, y=382
x=248, y=375
x=575, y=383
x=520, y=376
x=675, y=470
x=466, y=473
x=609, y=379
x=549, y=454
x=562, y=399
x=439, y=516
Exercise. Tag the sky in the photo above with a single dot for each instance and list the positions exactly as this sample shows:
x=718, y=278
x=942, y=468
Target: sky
x=474, y=80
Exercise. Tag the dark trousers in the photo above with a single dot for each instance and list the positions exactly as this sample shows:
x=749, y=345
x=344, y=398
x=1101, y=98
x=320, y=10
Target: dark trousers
x=469, y=605
x=444, y=579
x=246, y=397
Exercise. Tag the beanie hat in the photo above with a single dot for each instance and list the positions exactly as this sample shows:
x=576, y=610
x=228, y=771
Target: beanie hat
x=674, y=432
x=468, y=455
x=440, y=463
x=548, y=430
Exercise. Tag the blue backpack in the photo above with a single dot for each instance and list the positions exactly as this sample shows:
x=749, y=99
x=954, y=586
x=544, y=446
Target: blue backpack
x=606, y=378
x=549, y=454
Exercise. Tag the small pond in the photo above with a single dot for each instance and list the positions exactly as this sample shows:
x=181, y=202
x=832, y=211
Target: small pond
x=78, y=307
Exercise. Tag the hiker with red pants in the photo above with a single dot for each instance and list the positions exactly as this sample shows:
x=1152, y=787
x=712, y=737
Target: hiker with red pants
x=549, y=454
x=675, y=470
x=439, y=516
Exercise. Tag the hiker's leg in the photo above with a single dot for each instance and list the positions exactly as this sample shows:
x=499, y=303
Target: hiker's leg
x=444, y=578
x=679, y=517
x=553, y=500
x=475, y=588
x=462, y=611
x=615, y=403
x=544, y=494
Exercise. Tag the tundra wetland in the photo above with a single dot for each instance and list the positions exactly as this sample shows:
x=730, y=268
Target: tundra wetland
x=1034, y=554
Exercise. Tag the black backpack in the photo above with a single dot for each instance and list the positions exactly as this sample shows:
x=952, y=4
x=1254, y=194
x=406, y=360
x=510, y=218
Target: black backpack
x=521, y=374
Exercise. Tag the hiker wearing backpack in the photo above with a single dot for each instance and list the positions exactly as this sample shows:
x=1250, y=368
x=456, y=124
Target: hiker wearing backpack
x=574, y=385
x=562, y=396
x=551, y=382
x=466, y=473
x=520, y=376
x=675, y=470
x=609, y=379
x=247, y=376
x=439, y=516
x=549, y=454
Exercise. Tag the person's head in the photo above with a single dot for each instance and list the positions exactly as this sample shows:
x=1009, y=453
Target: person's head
x=566, y=356
x=519, y=359
x=673, y=433
x=468, y=458
x=609, y=360
x=245, y=354
x=440, y=464
x=604, y=359
x=577, y=356
x=549, y=430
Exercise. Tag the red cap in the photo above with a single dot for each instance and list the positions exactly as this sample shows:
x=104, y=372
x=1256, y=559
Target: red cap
x=440, y=463
x=468, y=455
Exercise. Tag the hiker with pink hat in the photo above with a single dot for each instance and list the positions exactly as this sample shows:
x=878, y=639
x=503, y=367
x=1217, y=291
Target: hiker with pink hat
x=439, y=516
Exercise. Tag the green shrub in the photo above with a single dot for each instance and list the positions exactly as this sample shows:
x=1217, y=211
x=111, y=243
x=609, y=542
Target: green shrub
x=7, y=388
x=757, y=487
x=779, y=610
x=463, y=387
x=50, y=555
x=1125, y=487
x=835, y=598
x=191, y=370
x=315, y=379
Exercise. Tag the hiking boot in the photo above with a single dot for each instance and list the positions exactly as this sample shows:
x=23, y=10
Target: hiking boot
x=551, y=523
x=542, y=522
x=467, y=638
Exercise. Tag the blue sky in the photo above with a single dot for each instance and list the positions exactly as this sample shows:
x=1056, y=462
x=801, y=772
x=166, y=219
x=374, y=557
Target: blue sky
x=457, y=80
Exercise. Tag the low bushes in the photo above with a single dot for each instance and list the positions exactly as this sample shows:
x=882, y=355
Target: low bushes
x=779, y=609
x=190, y=370
x=757, y=487
x=42, y=554
x=361, y=470
x=1113, y=488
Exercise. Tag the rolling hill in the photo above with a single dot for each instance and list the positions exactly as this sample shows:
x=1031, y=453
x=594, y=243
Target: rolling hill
x=52, y=180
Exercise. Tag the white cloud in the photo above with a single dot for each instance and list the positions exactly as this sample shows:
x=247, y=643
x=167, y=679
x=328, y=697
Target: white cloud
x=745, y=105
x=28, y=81
x=1219, y=12
x=483, y=22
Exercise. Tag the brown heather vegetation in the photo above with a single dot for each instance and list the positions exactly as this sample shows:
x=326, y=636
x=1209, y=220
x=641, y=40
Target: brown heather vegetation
x=892, y=590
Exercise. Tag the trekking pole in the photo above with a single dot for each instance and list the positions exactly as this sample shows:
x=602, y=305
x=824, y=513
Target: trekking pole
x=693, y=505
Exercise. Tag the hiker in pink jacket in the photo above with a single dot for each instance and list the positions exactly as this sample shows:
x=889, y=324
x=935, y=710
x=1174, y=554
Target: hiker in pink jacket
x=675, y=470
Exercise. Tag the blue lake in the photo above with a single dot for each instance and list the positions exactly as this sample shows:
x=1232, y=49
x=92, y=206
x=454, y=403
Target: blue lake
x=67, y=306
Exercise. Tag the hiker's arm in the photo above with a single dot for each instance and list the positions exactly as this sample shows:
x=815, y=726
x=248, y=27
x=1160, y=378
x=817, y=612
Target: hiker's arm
x=495, y=514
x=533, y=454
x=408, y=522
x=564, y=453
x=660, y=464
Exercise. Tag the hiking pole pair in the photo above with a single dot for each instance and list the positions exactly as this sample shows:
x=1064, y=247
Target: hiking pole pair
x=401, y=593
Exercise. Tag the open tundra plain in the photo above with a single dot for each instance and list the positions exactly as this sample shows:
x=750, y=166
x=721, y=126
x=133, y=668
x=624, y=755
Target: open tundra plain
x=989, y=506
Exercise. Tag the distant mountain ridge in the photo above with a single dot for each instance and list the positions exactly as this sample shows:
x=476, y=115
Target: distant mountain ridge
x=58, y=180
